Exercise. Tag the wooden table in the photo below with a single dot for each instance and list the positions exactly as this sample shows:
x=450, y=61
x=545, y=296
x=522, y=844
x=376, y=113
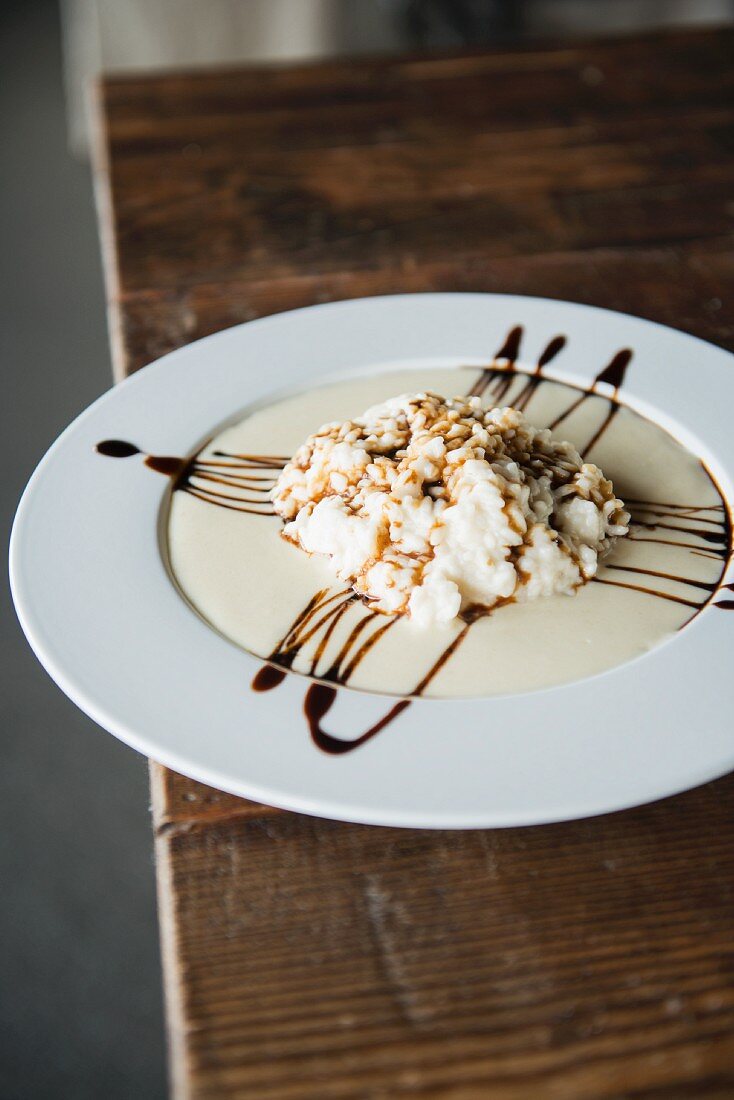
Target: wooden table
x=305, y=958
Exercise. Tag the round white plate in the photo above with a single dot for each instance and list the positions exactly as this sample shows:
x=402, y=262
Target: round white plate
x=97, y=604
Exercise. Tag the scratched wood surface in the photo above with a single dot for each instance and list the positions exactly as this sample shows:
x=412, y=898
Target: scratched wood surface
x=305, y=958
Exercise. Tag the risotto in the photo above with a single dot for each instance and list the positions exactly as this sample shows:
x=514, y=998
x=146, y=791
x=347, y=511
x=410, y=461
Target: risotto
x=437, y=508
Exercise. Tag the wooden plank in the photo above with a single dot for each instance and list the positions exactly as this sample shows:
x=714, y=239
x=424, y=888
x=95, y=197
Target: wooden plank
x=582, y=960
x=182, y=803
x=234, y=177
x=306, y=958
x=677, y=285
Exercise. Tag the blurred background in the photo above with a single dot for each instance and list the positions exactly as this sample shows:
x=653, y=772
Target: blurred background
x=80, y=1008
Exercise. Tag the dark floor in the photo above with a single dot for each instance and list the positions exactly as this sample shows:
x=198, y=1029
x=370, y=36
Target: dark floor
x=80, y=1000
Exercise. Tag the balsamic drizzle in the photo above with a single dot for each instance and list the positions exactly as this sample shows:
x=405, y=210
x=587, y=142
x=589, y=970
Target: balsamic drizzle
x=117, y=448
x=648, y=591
x=319, y=701
x=268, y=677
x=719, y=537
x=556, y=346
x=612, y=375
x=649, y=515
x=320, y=698
x=236, y=488
x=243, y=483
x=709, y=586
x=495, y=381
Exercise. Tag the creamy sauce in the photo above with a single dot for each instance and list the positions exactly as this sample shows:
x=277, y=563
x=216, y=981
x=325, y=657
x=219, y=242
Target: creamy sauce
x=271, y=599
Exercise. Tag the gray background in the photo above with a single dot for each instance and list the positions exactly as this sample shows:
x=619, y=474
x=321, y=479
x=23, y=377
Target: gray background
x=80, y=1001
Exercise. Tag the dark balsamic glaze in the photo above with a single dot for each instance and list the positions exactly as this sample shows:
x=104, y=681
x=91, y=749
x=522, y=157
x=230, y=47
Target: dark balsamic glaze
x=236, y=482
x=511, y=347
x=274, y=462
x=319, y=701
x=249, y=492
x=117, y=448
x=612, y=375
x=509, y=352
x=167, y=465
x=718, y=544
x=718, y=537
x=703, y=552
x=726, y=605
x=709, y=586
x=681, y=507
x=323, y=612
x=268, y=678
x=649, y=591
x=649, y=516
x=690, y=513
x=320, y=698
x=502, y=377
x=556, y=346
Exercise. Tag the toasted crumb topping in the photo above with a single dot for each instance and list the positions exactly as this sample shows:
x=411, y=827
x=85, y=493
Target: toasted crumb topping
x=436, y=508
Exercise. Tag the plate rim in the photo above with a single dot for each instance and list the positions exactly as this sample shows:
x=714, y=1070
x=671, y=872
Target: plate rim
x=248, y=789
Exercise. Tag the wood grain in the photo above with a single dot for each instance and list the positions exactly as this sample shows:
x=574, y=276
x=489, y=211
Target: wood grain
x=309, y=959
x=237, y=193
x=330, y=960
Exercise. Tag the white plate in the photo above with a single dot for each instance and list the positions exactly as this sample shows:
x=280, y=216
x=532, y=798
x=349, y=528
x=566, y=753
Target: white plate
x=97, y=604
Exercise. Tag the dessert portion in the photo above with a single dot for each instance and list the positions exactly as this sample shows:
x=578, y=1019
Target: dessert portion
x=437, y=508
x=256, y=588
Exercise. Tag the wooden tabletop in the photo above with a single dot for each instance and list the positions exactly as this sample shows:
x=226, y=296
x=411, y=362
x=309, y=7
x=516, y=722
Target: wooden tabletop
x=306, y=958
